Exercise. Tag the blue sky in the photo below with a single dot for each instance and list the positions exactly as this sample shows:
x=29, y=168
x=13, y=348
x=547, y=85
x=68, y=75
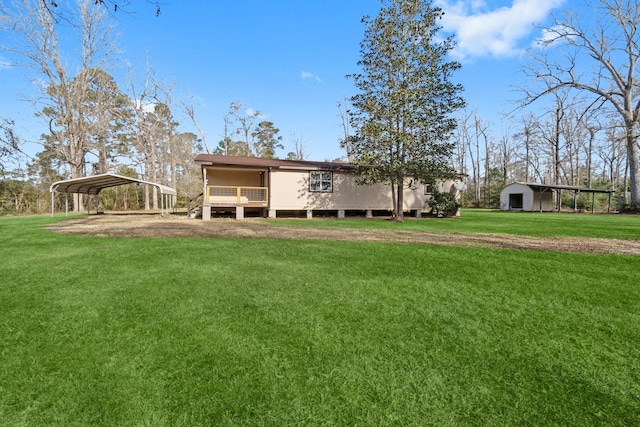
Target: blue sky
x=288, y=59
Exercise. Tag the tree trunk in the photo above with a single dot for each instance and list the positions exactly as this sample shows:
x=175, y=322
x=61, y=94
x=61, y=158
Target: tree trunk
x=399, y=217
x=632, y=158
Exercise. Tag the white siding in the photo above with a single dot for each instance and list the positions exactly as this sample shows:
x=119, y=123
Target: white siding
x=530, y=197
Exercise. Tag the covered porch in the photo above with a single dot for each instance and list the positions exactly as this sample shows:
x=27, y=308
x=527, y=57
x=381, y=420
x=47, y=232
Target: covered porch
x=234, y=189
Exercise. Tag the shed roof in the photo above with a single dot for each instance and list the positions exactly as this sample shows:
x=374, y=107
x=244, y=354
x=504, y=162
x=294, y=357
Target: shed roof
x=544, y=187
x=96, y=183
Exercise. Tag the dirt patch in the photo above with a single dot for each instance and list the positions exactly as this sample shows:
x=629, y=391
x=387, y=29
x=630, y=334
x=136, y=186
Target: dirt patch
x=155, y=226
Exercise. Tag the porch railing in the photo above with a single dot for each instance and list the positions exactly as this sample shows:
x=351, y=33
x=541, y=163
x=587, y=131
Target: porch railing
x=237, y=195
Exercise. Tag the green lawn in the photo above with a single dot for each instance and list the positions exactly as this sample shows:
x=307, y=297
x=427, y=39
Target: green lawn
x=200, y=332
x=497, y=222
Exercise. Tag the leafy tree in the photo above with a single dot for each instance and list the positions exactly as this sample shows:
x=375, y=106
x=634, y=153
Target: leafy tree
x=266, y=140
x=401, y=115
x=495, y=184
x=443, y=204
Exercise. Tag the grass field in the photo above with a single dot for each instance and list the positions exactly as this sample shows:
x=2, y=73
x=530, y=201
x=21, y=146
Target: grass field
x=501, y=222
x=200, y=332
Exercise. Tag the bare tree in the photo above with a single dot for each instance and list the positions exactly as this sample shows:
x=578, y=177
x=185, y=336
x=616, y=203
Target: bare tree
x=64, y=90
x=346, y=130
x=298, y=148
x=461, y=138
x=189, y=109
x=613, y=156
x=245, y=117
x=526, y=137
x=58, y=12
x=143, y=100
x=597, y=57
x=9, y=145
x=480, y=129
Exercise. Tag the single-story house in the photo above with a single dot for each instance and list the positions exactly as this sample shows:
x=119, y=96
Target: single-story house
x=524, y=196
x=269, y=186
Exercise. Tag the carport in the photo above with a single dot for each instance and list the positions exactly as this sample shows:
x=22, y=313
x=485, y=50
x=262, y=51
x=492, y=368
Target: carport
x=576, y=190
x=93, y=185
x=533, y=196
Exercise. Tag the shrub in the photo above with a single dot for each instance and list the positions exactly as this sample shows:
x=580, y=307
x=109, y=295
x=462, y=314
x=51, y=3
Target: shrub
x=443, y=204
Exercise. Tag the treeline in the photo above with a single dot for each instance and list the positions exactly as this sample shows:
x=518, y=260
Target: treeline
x=562, y=146
x=99, y=124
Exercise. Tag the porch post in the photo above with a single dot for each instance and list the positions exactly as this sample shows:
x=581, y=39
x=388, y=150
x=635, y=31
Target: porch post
x=206, y=212
x=239, y=212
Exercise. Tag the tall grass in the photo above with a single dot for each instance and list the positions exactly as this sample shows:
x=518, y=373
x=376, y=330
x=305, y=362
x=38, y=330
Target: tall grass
x=188, y=332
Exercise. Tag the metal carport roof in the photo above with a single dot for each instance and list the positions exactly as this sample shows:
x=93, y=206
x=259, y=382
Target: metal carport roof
x=578, y=189
x=96, y=183
x=575, y=189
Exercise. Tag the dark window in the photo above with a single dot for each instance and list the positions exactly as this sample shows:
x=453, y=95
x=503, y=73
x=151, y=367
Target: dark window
x=515, y=201
x=321, y=181
x=427, y=189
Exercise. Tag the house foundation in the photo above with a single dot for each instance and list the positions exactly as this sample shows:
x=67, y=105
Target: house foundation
x=206, y=212
x=239, y=212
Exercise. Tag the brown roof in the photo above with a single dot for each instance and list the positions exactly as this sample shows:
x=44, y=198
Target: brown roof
x=256, y=162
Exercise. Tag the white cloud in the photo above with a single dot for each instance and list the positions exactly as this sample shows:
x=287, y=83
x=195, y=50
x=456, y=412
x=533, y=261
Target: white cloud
x=305, y=75
x=553, y=36
x=251, y=112
x=498, y=32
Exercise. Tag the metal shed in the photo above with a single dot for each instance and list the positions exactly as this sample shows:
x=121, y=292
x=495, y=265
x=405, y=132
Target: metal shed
x=92, y=185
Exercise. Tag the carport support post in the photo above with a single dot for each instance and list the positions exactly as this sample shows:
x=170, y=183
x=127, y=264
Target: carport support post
x=540, y=190
x=53, y=192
